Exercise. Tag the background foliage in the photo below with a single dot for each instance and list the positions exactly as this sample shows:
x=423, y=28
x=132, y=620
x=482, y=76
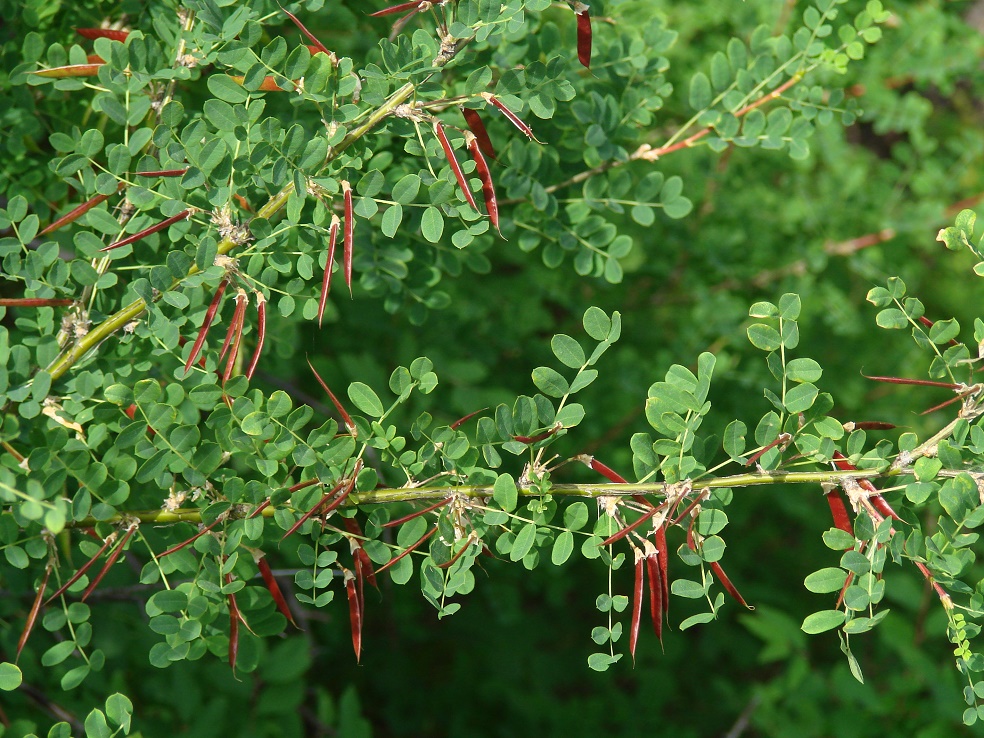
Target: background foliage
x=877, y=155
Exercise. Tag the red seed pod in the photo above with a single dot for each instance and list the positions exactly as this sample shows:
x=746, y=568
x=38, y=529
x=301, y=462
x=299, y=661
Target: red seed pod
x=79, y=211
x=238, y=319
x=72, y=70
x=640, y=576
x=583, y=34
x=260, y=334
x=310, y=513
x=631, y=527
x=346, y=418
x=234, y=618
x=838, y=510
x=109, y=562
x=920, y=382
x=359, y=551
x=148, y=231
x=349, y=233
x=93, y=33
x=311, y=37
x=511, y=116
x=482, y=169
x=178, y=546
x=451, y=562
x=407, y=551
x=33, y=302
x=393, y=9
x=272, y=587
x=329, y=266
x=728, y=586
x=453, y=162
x=355, y=612
x=230, y=332
x=206, y=324
x=841, y=462
x=461, y=421
x=163, y=173
x=663, y=557
x=477, y=127
x=32, y=616
x=539, y=436
x=655, y=595
x=82, y=569
x=415, y=514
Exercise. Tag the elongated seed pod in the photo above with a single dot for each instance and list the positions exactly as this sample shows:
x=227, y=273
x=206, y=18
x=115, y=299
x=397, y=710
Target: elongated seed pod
x=178, y=546
x=393, y=9
x=663, y=557
x=273, y=588
x=32, y=616
x=35, y=302
x=148, y=231
x=461, y=421
x=163, y=173
x=311, y=37
x=355, y=612
x=453, y=162
x=631, y=527
x=238, y=318
x=110, y=33
x=79, y=211
x=358, y=551
x=349, y=234
x=407, y=551
x=346, y=418
x=482, y=169
x=260, y=334
x=728, y=586
x=415, y=514
x=310, y=513
x=206, y=324
x=82, y=569
x=72, y=70
x=477, y=127
x=231, y=330
x=637, y=589
x=234, y=618
x=583, y=34
x=329, y=267
x=919, y=382
x=511, y=116
x=109, y=562
x=838, y=511
x=655, y=596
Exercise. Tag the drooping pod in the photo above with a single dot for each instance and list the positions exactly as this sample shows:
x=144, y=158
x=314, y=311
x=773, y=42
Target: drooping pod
x=31, y=302
x=329, y=267
x=206, y=324
x=453, y=162
x=238, y=318
x=348, y=241
x=32, y=616
x=477, y=127
x=583, y=34
x=482, y=169
x=637, y=590
x=260, y=334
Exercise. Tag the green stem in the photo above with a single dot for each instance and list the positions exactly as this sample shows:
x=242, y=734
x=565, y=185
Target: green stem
x=419, y=494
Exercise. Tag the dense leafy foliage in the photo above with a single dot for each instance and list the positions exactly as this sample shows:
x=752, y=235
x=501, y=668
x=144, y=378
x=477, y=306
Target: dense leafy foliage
x=518, y=234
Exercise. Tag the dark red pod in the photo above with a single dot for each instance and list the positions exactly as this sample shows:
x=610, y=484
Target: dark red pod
x=82, y=569
x=355, y=612
x=511, y=116
x=461, y=421
x=415, y=514
x=163, y=173
x=583, y=34
x=93, y=33
x=272, y=587
x=475, y=124
x=407, y=551
x=329, y=267
x=349, y=238
x=311, y=37
x=482, y=169
x=637, y=589
x=109, y=562
x=148, y=231
x=453, y=162
x=260, y=334
x=206, y=324
x=346, y=418
x=655, y=595
x=79, y=211
x=394, y=9
x=178, y=546
x=631, y=527
x=32, y=616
